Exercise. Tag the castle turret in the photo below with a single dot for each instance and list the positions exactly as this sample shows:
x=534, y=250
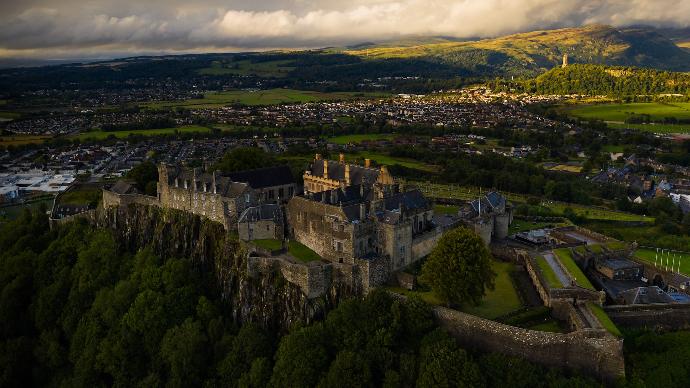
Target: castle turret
x=325, y=169
x=347, y=175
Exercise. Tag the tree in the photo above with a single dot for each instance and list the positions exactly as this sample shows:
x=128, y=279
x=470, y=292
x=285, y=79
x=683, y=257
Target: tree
x=183, y=349
x=349, y=369
x=145, y=176
x=459, y=268
x=245, y=158
x=302, y=358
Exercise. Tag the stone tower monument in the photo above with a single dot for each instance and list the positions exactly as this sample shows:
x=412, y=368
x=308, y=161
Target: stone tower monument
x=565, y=60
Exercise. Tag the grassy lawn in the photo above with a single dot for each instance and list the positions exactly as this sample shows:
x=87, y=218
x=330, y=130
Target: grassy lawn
x=99, y=135
x=613, y=148
x=551, y=326
x=302, y=252
x=391, y=160
x=446, y=209
x=648, y=256
x=619, y=112
x=83, y=196
x=616, y=114
x=548, y=273
x=10, y=115
x=12, y=212
x=441, y=190
x=522, y=226
x=594, y=213
x=22, y=139
x=257, y=97
x=654, y=128
x=566, y=259
x=268, y=244
x=500, y=301
x=604, y=319
x=566, y=168
x=356, y=139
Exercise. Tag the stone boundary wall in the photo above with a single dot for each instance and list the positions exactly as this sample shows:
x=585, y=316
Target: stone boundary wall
x=591, y=351
x=661, y=316
x=538, y=280
x=88, y=215
x=314, y=280
x=114, y=199
x=549, y=295
x=424, y=244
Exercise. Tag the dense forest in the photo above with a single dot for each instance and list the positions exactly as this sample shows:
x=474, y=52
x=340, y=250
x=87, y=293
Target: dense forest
x=625, y=82
x=78, y=311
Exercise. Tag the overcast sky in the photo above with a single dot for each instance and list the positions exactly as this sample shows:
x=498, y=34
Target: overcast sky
x=72, y=28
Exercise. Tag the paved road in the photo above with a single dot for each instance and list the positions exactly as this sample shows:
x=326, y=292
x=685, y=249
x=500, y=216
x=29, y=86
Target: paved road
x=551, y=259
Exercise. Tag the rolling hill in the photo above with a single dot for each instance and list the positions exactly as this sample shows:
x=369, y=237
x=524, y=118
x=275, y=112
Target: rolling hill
x=531, y=53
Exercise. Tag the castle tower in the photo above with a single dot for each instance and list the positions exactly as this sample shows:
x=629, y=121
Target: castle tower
x=565, y=60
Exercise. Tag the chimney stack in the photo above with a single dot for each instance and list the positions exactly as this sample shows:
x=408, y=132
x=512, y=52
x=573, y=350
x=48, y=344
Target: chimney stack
x=318, y=157
x=347, y=174
x=342, y=158
x=367, y=163
x=362, y=211
x=325, y=169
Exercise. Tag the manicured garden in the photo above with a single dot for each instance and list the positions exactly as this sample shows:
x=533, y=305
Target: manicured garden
x=500, y=301
x=549, y=274
x=302, y=252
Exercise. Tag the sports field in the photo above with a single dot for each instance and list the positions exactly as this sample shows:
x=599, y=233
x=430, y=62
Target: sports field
x=257, y=97
x=99, y=135
x=649, y=255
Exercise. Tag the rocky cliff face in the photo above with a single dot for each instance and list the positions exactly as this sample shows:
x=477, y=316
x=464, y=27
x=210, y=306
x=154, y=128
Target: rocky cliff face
x=266, y=299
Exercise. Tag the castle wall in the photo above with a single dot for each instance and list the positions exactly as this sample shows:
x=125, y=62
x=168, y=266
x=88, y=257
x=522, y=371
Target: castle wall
x=314, y=280
x=594, y=352
x=323, y=228
x=423, y=245
x=484, y=230
x=661, y=316
x=501, y=225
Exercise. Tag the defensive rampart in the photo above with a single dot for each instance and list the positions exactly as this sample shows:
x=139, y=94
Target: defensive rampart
x=663, y=316
x=591, y=351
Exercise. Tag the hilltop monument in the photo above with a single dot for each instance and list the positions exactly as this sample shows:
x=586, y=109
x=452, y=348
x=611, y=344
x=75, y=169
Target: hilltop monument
x=565, y=60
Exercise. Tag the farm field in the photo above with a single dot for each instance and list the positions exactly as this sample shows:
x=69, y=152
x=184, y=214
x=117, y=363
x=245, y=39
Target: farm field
x=654, y=128
x=257, y=97
x=356, y=139
x=648, y=255
x=99, y=135
x=616, y=114
x=619, y=112
x=22, y=139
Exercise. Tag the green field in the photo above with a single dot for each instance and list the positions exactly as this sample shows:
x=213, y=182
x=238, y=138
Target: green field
x=547, y=271
x=522, y=226
x=446, y=209
x=100, y=135
x=502, y=300
x=648, y=255
x=604, y=319
x=566, y=259
x=81, y=196
x=356, y=139
x=10, y=115
x=279, y=68
x=616, y=114
x=12, y=212
x=268, y=244
x=653, y=128
x=439, y=190
x=302, y=252
x=391, y=160
x=22, y=139
x=257, y=97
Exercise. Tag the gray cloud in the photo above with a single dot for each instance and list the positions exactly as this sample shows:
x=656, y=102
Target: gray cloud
x=72, y=28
